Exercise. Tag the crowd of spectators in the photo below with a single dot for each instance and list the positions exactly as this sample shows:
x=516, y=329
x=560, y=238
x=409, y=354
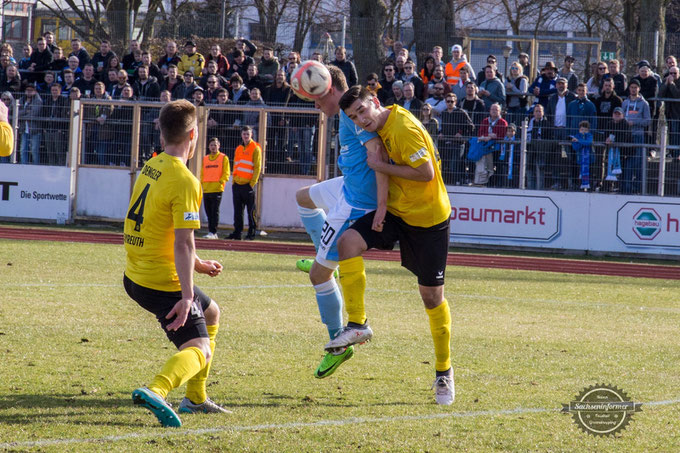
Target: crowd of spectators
x=454, y=102
x=45, y=79
x=478, y=115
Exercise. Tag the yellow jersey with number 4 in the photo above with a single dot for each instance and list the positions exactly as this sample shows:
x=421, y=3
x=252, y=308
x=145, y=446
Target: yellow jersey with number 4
x=418, y=203
x=166, y=196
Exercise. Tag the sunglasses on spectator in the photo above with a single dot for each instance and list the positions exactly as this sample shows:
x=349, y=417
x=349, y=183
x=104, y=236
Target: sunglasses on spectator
x=438, y=88
x=450, y=101
x=188, y=75
x=601, y=68
x=389, y=70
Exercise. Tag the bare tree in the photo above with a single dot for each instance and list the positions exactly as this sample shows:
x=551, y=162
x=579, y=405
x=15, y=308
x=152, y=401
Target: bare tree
x=306, y=14
x=394, y=23
x=433, y=25
x=270, y=13
x=653, y=21
x=367, y=23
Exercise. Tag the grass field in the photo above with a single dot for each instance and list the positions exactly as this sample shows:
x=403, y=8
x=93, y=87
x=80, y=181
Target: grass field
x=73, y=347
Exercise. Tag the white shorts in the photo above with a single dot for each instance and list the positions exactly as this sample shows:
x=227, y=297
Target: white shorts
x=325, y=194
x=339, y=218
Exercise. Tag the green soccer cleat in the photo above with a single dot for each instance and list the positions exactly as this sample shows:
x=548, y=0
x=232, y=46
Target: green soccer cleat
x=331, y=362
x=305, y=265
x=157, y=405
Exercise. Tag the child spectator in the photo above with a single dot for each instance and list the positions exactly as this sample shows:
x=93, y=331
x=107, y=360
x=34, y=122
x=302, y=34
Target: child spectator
x=583, y=144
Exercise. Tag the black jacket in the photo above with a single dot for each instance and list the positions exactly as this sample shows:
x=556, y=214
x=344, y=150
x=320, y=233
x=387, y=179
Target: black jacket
x=671, y=91
x=83, y=57
x=648, y=89
x=83, y=85
x=552, y=105
x=475, y=109
x=101, y=61
x=414, y=108
x=455, y=122
x=42, y=60
x=150, y=91
x=621, y=134
x=56, y=113
x=385, y=91
x=347, y=68
x=605, y=106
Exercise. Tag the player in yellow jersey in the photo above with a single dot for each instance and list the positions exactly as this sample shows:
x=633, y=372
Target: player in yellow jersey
x=418, y=212
x=161, y=260
x=6, y=132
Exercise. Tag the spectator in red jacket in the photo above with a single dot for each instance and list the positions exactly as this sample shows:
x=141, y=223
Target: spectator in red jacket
x=222, y=62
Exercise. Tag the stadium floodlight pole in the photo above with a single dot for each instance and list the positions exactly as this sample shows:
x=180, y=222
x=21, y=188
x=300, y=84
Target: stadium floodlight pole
x=344, y=31
x=132, y=25
x=223, y=14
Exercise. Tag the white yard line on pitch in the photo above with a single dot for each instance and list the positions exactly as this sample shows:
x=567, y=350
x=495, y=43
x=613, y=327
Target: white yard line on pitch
x=293, y=425
x=405, y=291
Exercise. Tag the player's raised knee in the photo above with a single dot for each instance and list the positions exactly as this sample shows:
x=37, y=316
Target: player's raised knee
x=212, y=314
x=303, y=199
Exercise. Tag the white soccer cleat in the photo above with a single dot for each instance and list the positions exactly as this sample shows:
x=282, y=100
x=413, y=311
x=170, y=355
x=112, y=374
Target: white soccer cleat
x=206, y=407
x=210, y=236
x=444, y=389
x=348, y=336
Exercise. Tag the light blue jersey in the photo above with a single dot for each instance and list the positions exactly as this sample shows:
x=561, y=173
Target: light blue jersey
x=359, y=188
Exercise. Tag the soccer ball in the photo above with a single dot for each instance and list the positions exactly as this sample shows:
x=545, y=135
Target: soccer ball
x=311, y=80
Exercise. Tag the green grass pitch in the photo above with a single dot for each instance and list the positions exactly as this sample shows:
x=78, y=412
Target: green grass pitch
x=73, y=347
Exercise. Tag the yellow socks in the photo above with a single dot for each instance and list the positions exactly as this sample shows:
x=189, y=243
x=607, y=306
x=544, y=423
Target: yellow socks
x=177, y=370
x=196, y=385
x=440, y=327
x=353, y=282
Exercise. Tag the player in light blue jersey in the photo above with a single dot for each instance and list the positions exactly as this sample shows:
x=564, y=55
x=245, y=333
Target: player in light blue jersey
x=345, y=199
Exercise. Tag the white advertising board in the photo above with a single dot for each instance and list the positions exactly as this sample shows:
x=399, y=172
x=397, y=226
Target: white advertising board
x=35, y=192
x=649, y=224
x=565, y=220
x=103, y=192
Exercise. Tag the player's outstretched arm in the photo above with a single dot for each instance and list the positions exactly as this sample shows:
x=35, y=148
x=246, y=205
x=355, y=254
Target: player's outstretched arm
x=374, y=147
x=185, y=253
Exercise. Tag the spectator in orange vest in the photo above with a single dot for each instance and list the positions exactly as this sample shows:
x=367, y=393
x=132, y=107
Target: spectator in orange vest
x=247, y=165
x=452, y=68
x=214, y=174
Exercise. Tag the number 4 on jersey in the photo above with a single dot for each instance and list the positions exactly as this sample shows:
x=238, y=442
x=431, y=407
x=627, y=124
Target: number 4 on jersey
x=136, y=212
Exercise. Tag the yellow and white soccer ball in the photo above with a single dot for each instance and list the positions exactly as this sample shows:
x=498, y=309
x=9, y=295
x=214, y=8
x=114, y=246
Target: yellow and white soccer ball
x=311, y=80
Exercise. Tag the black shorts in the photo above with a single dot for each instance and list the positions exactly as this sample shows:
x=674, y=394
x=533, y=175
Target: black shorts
x=160, y=303
x=423, y=250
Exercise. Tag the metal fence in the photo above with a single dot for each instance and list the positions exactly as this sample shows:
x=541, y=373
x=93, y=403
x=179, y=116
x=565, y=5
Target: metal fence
x=610, y=156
